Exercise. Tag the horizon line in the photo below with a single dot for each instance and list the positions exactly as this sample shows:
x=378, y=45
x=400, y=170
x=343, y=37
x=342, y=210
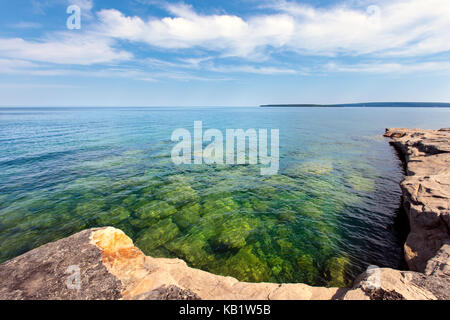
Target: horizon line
x=229, y=106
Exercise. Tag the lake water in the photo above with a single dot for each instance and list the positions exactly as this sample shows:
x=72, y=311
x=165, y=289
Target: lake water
x=329, y=213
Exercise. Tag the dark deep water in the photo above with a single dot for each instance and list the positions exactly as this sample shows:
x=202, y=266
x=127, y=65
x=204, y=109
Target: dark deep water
x=326, y=216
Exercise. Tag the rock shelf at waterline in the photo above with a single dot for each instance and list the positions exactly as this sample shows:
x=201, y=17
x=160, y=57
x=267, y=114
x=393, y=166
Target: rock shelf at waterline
x=426, y=193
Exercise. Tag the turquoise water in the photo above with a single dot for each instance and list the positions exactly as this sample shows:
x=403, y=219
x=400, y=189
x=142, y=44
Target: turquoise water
x=327, y=215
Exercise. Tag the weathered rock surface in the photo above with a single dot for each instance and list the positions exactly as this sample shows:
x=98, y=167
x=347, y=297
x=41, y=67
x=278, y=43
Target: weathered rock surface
x=111, y=267
x=439, y=265
x=43, y=273
x=390, y=284
x=426, y=191
x=168, y=293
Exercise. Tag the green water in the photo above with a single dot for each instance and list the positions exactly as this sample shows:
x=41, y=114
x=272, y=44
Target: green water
x=327, y=215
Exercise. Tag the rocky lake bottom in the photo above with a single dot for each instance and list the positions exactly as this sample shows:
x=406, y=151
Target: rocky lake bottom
x=330, y=212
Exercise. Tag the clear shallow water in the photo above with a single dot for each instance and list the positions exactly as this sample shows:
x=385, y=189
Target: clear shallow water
x=328, y=214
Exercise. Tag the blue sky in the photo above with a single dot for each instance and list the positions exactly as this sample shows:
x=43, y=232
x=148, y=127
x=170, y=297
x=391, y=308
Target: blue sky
x=223, y=53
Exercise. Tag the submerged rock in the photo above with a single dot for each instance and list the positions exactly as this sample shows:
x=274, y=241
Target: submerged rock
x=335, y=269
x=193, y=248
x=113, y=217
x=152, y=212
x=178, y=191
x=247, y=266
x=162, y=232
x=234, y=232
x=188, y=215
x=360, y=183
x=306, y=264
x=315, y=167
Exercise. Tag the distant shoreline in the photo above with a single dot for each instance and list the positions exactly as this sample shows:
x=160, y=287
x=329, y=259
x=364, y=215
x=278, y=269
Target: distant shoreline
x=368, y=105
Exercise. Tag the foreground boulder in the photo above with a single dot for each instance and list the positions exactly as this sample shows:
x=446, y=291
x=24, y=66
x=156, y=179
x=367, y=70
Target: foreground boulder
x=44, y=273
x=111, y=267
x=104, y=264
x=390, y=284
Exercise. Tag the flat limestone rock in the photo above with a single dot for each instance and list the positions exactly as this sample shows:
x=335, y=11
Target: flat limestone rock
x=44, y=273
x=168, y=293
x=439, y=265
x=390, y=284
x=426, y=191
x=111, y=267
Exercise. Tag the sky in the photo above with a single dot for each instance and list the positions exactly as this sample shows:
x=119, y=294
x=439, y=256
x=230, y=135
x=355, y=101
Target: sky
x=223, y=53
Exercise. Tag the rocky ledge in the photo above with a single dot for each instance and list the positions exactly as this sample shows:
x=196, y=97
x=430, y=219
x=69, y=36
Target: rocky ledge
x=103, y=263
x=111, y=267
x=426, y=195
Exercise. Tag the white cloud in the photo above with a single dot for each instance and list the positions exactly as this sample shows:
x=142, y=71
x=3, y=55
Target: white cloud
x=267, y=70
x=26, y=25
x=206, y=64
x=10, y=85
x=67, y=49
x=15, y=65
x=391, y=32
x=394, y=28
x=402, y=27
x=392, y=68
x=229, y=34
x=22, y=67
x=86, y=5
x=184, y=63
